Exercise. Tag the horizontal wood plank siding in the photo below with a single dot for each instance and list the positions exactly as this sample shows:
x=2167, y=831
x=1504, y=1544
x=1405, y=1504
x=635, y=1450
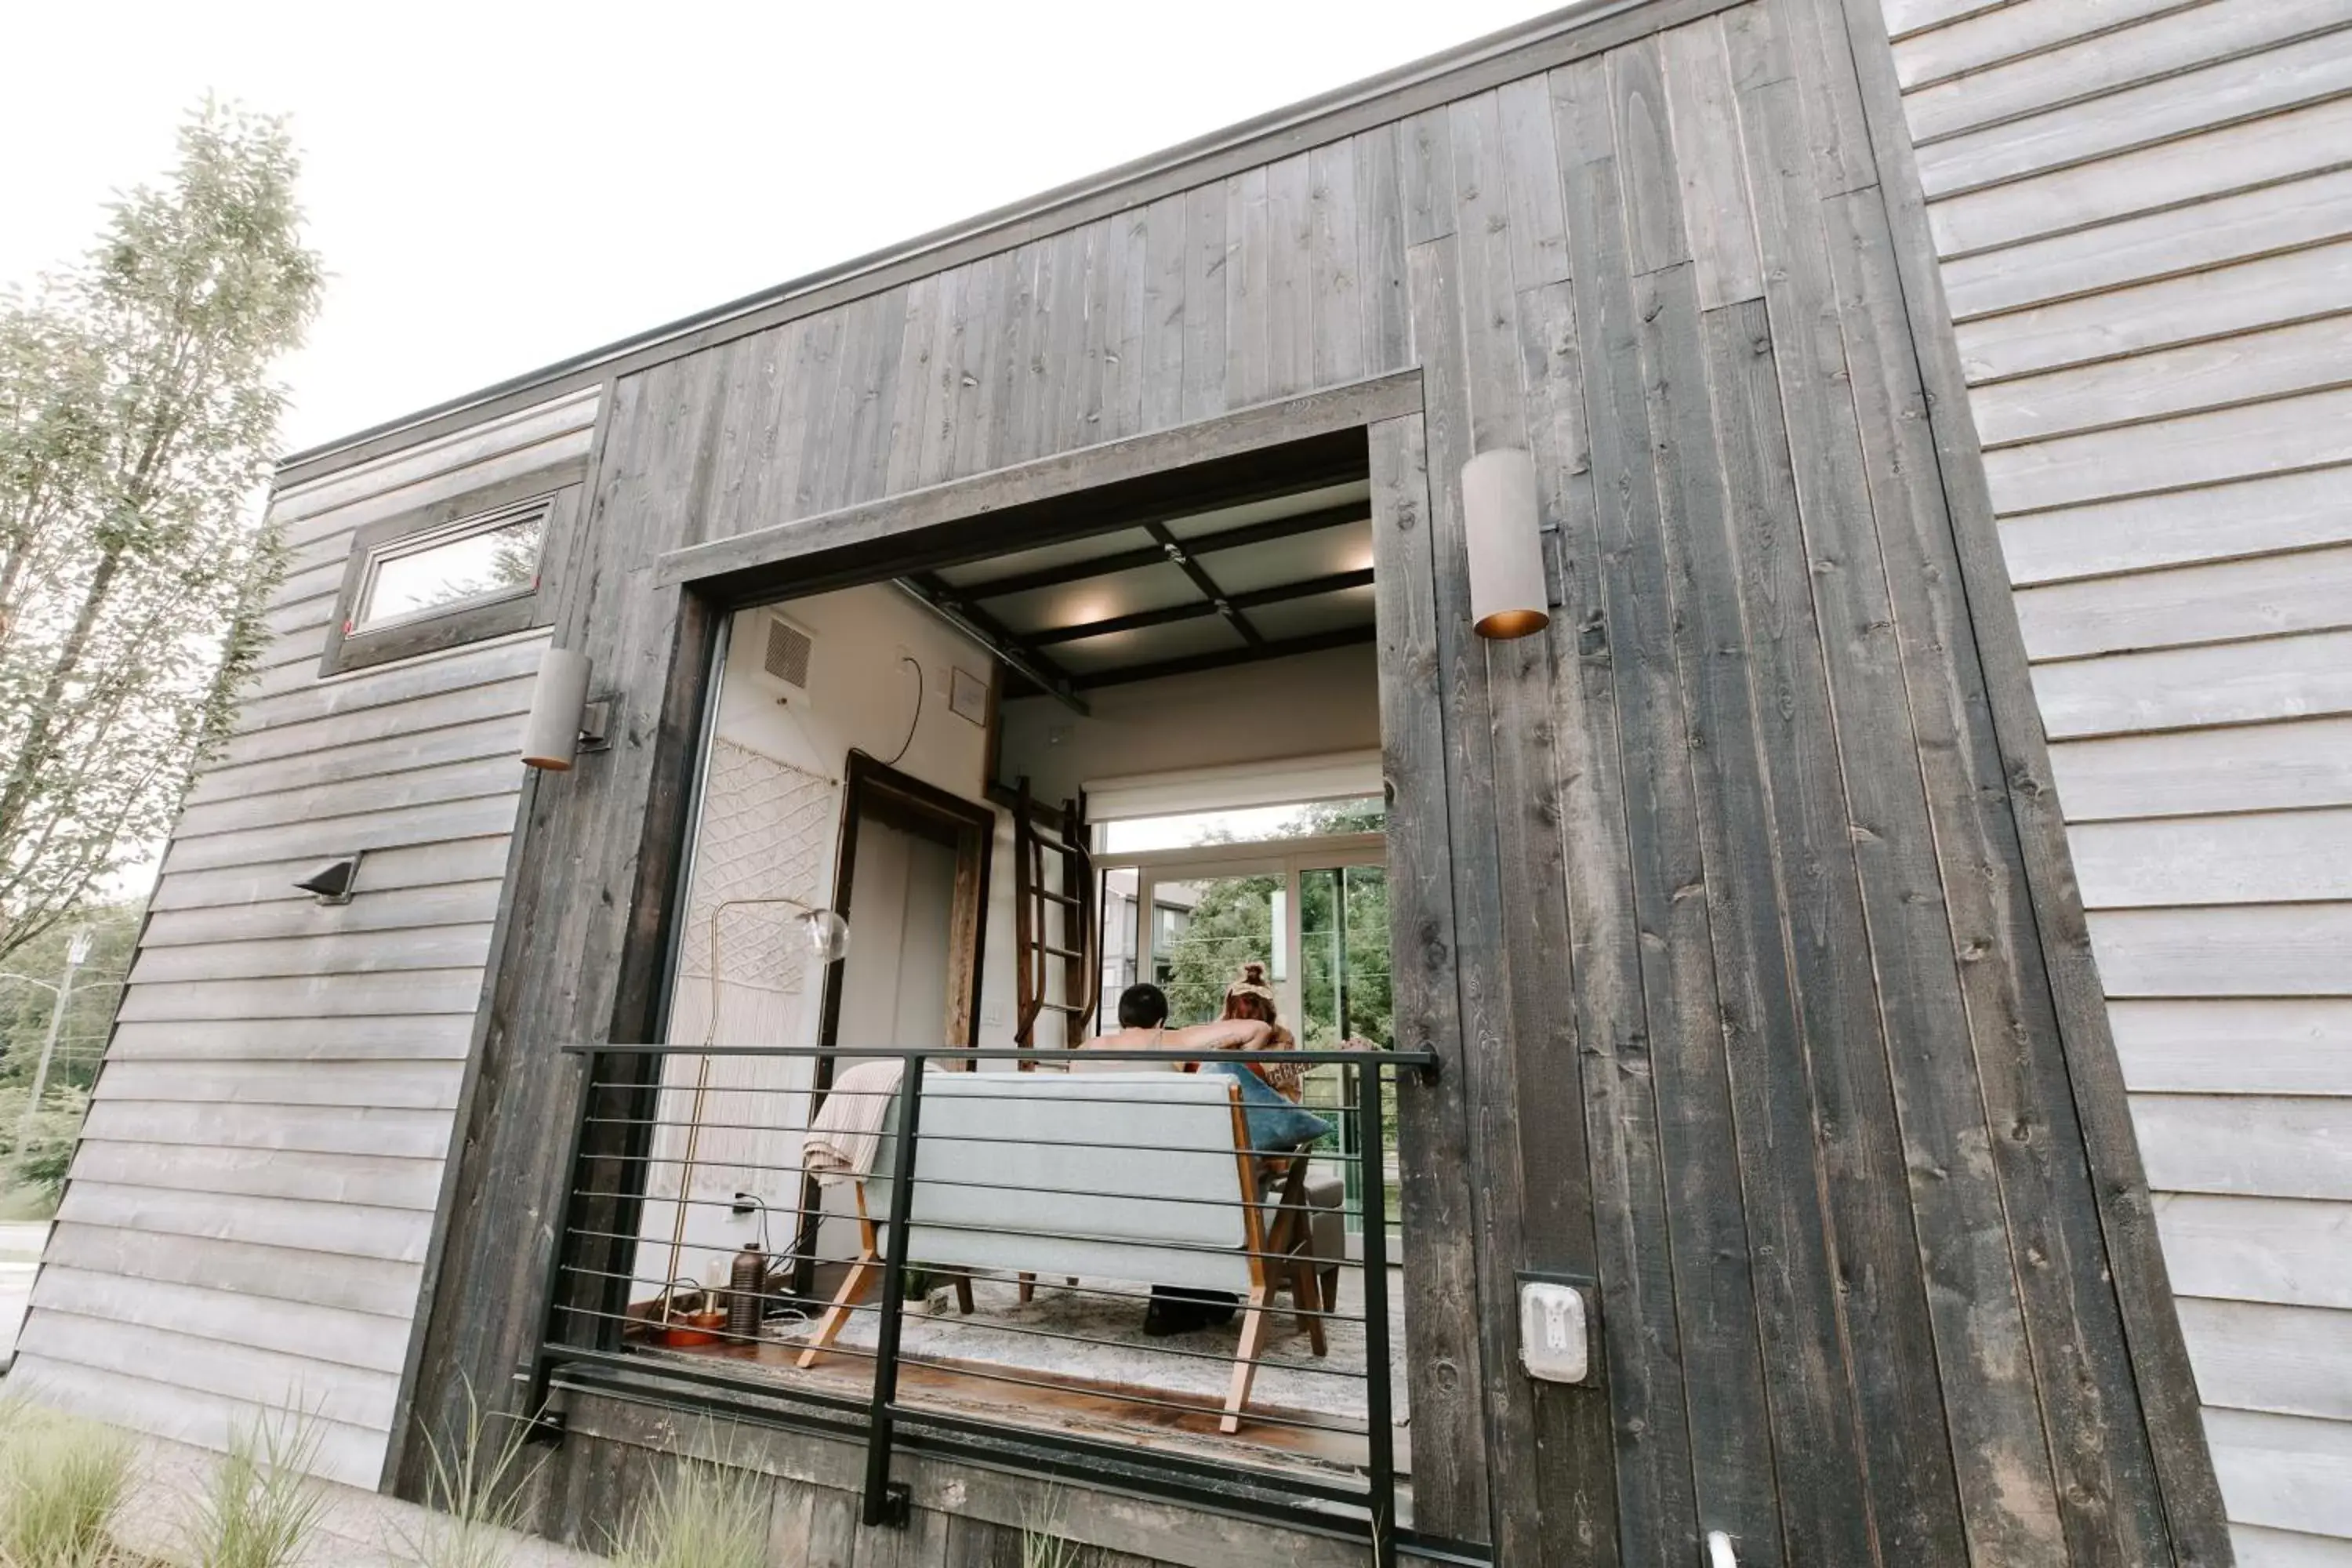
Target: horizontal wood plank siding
x=2146, y=227
x=248, y=1214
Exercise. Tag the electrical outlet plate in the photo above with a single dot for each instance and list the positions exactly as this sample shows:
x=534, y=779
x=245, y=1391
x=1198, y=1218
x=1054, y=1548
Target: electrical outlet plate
x=1556, y=1329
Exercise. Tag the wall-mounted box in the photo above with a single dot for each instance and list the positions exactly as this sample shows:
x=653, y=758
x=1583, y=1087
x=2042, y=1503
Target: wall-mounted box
x=1559, y=1328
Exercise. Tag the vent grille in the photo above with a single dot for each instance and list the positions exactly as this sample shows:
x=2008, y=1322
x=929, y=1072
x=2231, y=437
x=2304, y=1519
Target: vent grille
x=786, y=655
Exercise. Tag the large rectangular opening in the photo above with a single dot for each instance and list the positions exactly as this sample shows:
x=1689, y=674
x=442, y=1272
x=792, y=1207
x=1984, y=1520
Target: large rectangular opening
x=1140, y=753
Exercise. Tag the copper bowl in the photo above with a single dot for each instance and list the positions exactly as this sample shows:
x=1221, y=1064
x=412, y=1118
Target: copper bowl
x=694, y=1329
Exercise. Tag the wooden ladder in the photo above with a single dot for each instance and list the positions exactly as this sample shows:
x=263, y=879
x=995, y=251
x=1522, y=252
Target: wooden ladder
x=1064, y=838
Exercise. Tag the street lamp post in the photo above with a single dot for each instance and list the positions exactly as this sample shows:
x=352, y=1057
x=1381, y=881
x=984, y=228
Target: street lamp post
x=77, y=951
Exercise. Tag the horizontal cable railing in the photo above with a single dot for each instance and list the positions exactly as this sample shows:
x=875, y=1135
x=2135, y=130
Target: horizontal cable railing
x=1172, y=1280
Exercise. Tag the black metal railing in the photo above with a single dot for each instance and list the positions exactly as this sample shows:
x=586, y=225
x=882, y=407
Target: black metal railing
x=744, y=1228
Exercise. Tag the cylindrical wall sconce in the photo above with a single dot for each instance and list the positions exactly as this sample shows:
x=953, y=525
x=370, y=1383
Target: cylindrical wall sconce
x=1505, y=528
x=551, y=736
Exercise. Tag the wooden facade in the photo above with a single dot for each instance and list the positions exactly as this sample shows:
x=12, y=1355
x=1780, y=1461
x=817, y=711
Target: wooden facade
x=252, y=1204
x=1739, y=904
x=2146, y=237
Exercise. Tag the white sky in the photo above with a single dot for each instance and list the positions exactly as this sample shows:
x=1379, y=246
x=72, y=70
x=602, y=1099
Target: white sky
x=500, y=184
x=496, y=186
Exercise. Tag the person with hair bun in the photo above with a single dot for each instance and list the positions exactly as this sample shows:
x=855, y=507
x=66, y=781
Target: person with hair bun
x=1250, y=998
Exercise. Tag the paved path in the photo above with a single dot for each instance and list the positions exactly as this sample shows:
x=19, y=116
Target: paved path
x=358, y=1529
x=20, y=1250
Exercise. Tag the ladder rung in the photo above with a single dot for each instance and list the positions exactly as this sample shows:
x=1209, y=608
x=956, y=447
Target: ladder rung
x=1063, y=899
x=1072, y=1008
x=1059, y=952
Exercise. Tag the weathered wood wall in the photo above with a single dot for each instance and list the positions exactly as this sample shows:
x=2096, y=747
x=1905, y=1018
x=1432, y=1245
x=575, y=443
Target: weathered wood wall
x=248, y=1219
x=963, y=1517
x=1736, y=903
x=2146, y=231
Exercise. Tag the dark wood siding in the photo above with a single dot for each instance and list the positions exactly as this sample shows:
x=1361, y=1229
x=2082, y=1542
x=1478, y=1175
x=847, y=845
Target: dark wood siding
x=1730, y=902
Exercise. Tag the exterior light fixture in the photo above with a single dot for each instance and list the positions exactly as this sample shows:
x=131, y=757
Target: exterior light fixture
x=1503, y=525
x=562, y=720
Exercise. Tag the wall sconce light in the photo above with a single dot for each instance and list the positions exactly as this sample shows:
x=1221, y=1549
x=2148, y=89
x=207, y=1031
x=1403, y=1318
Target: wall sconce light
x=563, y=721
x=334, y=883
x=1505, y=528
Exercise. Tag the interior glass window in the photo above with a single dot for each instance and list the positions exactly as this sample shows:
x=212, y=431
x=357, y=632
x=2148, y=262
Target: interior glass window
x=480, y=558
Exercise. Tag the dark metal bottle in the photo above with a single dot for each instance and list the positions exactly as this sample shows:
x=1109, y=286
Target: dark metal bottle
x=747, y=1287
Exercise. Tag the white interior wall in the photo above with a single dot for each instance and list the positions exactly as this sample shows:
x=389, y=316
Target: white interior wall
x=777, y=808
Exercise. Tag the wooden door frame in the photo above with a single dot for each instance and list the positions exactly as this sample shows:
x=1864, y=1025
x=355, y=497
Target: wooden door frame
x=873, y=788
x=870, y=787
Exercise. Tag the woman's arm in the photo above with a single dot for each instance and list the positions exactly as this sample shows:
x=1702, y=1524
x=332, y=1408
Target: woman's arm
x=1222, y=1035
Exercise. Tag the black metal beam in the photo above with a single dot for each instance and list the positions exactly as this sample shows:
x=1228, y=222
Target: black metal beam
x=1280, y=593
x=976, y=624
x=1343, y=637
x=1218, y=600
x=1314, y=522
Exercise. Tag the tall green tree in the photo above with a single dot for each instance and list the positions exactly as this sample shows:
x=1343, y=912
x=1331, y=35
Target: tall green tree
x=1232, y=922
x=138, y=419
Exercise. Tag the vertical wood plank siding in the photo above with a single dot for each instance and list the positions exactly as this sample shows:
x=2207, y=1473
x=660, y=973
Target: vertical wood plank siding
x=1733, y=902
x=2146, y=249
x=248, y=1218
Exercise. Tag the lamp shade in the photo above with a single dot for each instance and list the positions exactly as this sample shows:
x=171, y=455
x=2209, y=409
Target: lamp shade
x=551, y=736
x=824, y=935
x=1506, y=570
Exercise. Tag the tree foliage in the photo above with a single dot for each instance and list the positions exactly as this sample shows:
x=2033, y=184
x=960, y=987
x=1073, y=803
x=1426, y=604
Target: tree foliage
x=1232, y=922
x=137, y=424
x=89, y=1010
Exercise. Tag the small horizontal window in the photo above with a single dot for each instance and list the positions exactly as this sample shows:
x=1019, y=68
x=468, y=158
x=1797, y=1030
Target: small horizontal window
x=457, y=571
x=471, y=562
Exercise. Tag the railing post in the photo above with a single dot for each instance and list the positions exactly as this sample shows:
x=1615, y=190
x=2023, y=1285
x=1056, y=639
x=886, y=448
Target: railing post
x=883, y=1505
x=1374, y=1173
x=552, y=1302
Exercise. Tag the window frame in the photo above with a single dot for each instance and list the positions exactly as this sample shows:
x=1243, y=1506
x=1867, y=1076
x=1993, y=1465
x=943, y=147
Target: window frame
x=465, y=621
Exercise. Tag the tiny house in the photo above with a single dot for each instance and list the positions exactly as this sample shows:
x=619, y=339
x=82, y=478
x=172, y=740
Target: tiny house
x=1841, y=855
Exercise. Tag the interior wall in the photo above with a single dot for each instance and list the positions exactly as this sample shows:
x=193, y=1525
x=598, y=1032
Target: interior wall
x=772, y=802
x=1312, y=705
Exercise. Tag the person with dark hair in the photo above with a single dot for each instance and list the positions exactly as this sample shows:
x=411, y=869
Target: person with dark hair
x=1143, y=1007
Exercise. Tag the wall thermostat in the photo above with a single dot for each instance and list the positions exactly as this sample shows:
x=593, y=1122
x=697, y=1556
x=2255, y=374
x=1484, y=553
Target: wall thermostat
x=1555, y=1327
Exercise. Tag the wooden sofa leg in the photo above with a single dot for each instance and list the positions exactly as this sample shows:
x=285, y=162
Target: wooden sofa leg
x=837, y=1315
x=1253, y=1322
x=963, y=1292
x=1028, y=1287
x=1307, y=1304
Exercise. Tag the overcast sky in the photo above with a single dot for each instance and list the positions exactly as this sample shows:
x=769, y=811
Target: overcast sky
x=496, y=186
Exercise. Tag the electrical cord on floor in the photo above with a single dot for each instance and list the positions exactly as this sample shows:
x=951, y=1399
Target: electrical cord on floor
x=912, y=724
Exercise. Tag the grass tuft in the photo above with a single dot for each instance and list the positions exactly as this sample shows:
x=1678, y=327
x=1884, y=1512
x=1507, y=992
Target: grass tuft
x=62, y=1482
x=259, y=1510
x=475, y=1488
x=702, y=1515
x=1042, y=1546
